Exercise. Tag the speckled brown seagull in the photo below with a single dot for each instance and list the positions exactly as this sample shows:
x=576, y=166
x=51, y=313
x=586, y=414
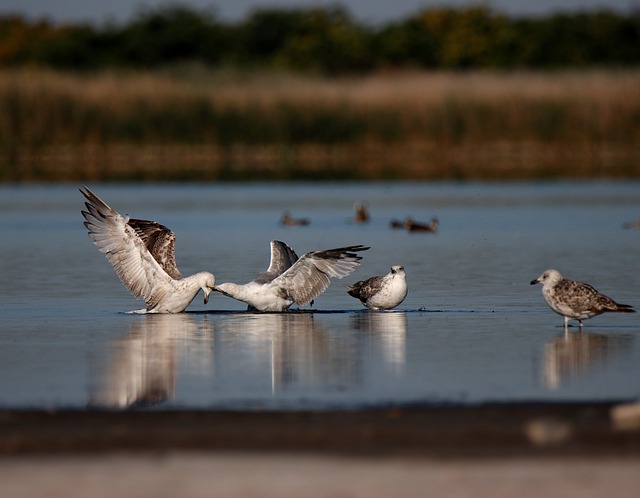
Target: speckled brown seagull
x=381, y=292
x=143, y=254
x=575, y=300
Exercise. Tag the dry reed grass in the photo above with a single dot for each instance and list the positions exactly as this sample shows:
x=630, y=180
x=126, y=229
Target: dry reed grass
x=230, y=125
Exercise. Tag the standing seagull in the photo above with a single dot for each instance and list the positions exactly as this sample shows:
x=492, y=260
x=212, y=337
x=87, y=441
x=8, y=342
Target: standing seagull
x=381, y=292
x=291, y=280
x=143, y=254
x=575, y=300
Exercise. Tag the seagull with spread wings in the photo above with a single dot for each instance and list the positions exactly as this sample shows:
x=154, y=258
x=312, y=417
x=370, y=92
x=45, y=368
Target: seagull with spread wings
x=290, y=279
x=143, y=254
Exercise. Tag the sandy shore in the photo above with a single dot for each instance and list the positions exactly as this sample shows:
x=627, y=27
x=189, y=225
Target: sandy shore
x=496, y=450
x=221, y=474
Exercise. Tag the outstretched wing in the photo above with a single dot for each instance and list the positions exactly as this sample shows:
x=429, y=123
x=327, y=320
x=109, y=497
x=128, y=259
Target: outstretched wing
x=282, y=258
x=311, y=274
x=160, y=242
x=125, y=250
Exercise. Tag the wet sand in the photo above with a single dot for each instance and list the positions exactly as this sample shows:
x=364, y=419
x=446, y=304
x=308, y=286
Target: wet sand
x=444, y=431
x=493, y=450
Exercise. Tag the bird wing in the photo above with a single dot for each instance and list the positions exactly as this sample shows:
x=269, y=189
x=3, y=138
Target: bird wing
x=578, y=295
x=363, y=290
x=311, y=274
x=605, y=303
x=282, y=258
x=160, y=242
x=125, y=250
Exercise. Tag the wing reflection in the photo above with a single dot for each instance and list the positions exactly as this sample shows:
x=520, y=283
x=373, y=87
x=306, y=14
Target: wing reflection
x=294, y=355
x=296, y=351
x=140, y=369
x=284, y=350
x=574, y=354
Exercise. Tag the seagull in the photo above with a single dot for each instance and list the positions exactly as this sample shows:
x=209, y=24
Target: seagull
x=381, y=292
x=288, y=221
x=143, y=254
x=413, y=226
x=575, y=300
x=290, y=279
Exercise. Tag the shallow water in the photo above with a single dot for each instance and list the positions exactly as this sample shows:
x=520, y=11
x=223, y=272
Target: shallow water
x=471, y=330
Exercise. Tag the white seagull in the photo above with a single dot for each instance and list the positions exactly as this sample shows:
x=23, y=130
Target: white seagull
x=290, y=279
x=381, y=292
x=575, y=300
x=143, y=254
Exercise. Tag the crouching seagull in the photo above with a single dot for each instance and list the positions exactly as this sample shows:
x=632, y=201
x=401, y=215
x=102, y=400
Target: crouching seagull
x=575, y=300
x=383, y=292
x=290, y=279
x=143, y=254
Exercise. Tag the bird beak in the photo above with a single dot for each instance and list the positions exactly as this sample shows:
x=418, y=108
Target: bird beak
x=534, y=282
x=207, y=292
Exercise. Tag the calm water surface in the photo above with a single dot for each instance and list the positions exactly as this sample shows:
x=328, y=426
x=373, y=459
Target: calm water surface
x=471, y=330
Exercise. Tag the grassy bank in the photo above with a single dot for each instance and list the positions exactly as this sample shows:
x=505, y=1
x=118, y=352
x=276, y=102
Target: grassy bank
x=190, y=124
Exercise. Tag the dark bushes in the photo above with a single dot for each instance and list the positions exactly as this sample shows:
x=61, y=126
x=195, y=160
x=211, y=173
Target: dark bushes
x=329, y=41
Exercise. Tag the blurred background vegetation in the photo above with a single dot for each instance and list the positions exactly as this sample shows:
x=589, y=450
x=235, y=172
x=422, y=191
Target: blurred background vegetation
x=329, y=41
x=462, y=93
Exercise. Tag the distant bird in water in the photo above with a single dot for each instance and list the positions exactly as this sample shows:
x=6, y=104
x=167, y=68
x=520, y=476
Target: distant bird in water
x=414, y=226
x=633, y=224
x=381, y=292
x=575, y=300
x=288, y=221
x=397, y=224
x=362, y=213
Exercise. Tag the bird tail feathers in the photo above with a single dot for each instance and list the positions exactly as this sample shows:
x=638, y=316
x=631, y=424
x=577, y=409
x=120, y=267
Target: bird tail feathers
x=624, y=308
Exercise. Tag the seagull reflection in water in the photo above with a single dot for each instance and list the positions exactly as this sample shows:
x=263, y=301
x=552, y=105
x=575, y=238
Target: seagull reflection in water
x=140, y=368
x=387, y=333
x=285, y=354
x=288, y=349
x=573, y=355
x=299, y=351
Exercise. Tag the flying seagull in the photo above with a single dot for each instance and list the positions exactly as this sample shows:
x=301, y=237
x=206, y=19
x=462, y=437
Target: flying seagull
x=575, y=300
x=290, y=279
x=143, y=254
x=381, y=292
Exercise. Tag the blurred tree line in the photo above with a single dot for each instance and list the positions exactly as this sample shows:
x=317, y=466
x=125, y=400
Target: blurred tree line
x=328, y=40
